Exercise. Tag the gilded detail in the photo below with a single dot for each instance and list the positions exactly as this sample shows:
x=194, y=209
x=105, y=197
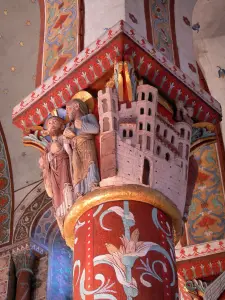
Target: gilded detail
x=126, y=192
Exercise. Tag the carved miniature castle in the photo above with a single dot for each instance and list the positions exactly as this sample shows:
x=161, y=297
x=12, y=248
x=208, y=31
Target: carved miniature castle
x=139, y=146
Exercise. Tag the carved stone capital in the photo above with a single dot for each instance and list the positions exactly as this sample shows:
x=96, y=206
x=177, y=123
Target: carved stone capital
x=24, y=261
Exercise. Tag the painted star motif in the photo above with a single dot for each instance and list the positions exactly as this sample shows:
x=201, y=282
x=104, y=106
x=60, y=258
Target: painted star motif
x=28, y=23
x=21, y=44
x=39, y=190
x=5, y=12
x=23, y=154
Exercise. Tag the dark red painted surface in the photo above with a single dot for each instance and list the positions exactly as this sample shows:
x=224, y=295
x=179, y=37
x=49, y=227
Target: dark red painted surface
x=91, y=241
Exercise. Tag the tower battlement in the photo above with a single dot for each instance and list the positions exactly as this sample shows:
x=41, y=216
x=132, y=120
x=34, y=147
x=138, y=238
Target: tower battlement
x=148, y=150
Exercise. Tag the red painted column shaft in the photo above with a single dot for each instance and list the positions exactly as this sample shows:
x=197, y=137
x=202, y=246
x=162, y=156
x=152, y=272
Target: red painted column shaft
x=24, y=261
x=124, y=249
x=23, y=285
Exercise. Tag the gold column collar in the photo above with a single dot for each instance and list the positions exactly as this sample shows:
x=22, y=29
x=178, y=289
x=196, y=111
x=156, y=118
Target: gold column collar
x=130, y=192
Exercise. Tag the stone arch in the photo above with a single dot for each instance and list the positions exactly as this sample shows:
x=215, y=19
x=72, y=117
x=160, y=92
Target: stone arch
x=38, y=224
x=24, y=225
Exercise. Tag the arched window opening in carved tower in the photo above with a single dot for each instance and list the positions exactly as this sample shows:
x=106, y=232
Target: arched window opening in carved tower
x=140, y=141
x=124, y=133
x=182, y=132
x=146, y=172
x=189, y=135
x=104, y=105
x=165, y=133
x=167, y=156
x=180, y=149
x=158, y=150
x=106, y=124
x=157, y=128
x=130, y=133
x=148, y=143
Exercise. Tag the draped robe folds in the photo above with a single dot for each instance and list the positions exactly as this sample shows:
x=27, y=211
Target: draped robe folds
x=85, y=173
x=57, y=178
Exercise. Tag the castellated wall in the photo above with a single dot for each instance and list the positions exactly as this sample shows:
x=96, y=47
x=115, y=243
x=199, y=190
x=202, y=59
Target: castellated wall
x=142, y=146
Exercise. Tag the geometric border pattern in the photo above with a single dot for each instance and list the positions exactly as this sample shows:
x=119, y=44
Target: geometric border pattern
x=6, y=193
x=95, y=61
x=199, y=250
x=25, y=223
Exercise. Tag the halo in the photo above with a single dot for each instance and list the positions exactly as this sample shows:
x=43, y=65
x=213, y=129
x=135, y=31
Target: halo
x=85, y=97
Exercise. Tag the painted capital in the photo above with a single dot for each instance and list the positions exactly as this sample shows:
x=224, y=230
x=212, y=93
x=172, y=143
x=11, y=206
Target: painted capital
x=24, y=261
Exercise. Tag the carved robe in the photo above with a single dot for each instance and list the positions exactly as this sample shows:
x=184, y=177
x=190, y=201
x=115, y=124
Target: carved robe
x=85, y=174
x=57, y=178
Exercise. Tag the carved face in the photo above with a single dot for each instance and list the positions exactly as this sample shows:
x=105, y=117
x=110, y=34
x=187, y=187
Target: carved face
x=72, y=110
x=54, y=126
x=190, y=111
x=76, y=110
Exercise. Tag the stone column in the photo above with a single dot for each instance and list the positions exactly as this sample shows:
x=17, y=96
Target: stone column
x=24, y=261
x=123, y=244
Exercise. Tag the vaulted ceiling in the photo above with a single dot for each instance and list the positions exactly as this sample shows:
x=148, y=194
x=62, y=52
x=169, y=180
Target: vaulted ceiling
x=19, y=44
x=209, y=45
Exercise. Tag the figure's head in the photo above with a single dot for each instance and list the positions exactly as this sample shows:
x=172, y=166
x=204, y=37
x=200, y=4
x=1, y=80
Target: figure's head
x=190, y=111
x=55, y=126
x=76, y=108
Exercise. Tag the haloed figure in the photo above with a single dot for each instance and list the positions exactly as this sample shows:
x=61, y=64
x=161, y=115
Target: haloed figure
x=55, y=164
x=82, y=128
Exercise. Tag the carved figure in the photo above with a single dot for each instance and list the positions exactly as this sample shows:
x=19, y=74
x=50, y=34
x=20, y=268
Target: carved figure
x=55, y=165
x=124, y=75
x=184, y=113
x=81, y=130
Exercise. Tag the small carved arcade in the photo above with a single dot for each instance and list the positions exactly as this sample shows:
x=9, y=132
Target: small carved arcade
x=140, y=146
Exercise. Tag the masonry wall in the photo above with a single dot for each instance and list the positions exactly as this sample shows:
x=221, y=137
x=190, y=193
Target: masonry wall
x=147, y=149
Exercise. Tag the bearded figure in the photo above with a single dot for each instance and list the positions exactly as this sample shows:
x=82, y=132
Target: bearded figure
x=55, y=165
x=81, y=130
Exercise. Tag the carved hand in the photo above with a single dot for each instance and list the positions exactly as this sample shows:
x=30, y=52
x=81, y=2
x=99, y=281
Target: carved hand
x=78, y=124
x=68, y=133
